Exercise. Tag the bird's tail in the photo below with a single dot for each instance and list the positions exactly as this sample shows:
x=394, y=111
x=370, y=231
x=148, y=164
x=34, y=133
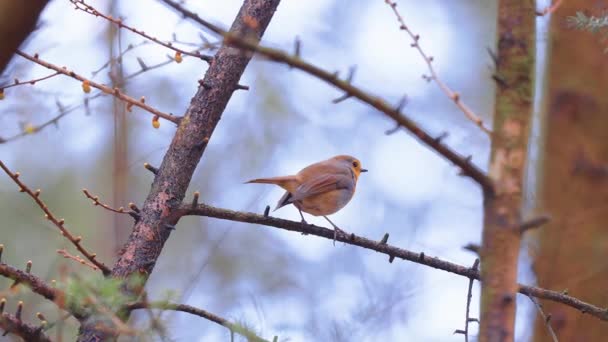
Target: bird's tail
x=286, y=182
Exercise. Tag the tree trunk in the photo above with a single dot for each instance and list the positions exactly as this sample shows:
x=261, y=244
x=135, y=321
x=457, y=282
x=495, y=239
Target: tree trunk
x=572, y=249
x=502, y=209
x=17, y=20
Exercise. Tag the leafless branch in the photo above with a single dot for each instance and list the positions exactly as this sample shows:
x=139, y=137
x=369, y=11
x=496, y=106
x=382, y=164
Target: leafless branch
x=197, y=312
x=120, y=210
x=534, y=223
x=384, y=248
x=452, y=95
x=546, y=319
x=467, y=318
x=89, y=83
x=83, y=6
x=17, y=82
x=549, y=9
x=59, y=223
x=76, y=258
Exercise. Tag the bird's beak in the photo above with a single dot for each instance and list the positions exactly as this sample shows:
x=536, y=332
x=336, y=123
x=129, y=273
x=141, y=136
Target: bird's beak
x=363, y=170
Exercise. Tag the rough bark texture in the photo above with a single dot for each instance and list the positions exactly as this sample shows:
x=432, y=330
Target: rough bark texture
x=17, y=20
x=573, y=248
x=502, y=211
x=149, y=235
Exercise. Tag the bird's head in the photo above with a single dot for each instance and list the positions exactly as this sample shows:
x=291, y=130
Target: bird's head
x=351, y=162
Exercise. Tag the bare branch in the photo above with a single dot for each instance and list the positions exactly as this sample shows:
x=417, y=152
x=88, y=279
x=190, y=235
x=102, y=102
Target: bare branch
x=59, y=223
x=387, y=249
x=467, y=318
x=89, y=83
x=546, y=319
x=120, y=210
x=81, y=5
x=17, y=83
x=549, y=9
x=534, y=223
x=197, y=312
x=452, y=95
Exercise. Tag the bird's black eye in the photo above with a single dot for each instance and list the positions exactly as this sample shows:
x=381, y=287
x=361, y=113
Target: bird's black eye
x=355, y=164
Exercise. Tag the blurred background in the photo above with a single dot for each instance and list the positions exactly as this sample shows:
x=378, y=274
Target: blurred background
x=300, y=288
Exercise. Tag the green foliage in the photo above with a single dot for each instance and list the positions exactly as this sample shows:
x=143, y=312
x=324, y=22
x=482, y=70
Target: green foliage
x=95, y=292
x=590, y=23
x=587, y=23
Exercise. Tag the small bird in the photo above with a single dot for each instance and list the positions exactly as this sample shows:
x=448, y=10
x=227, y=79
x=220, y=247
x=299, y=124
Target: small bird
x=319, y=189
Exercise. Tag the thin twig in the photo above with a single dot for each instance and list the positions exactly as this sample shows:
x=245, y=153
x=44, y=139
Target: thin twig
x=81, y=5
x=546, y=319
x=59, y=223
x=549, y=9
x=467, y=318
x=120, y=210
x=197, y=312
x=76, y=258
x=452, y=95
x=30, y=82
x=244, y=43
x=534, y=223
x=387, y=249
x=115, y=92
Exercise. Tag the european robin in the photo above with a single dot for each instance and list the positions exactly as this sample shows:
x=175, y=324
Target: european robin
x=319, y=189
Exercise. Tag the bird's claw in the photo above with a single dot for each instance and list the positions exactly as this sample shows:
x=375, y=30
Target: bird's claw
x=336, y=230
x=304, y=223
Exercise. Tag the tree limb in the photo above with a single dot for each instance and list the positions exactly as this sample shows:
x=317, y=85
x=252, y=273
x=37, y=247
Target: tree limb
x=384, y=248
x=197, y=312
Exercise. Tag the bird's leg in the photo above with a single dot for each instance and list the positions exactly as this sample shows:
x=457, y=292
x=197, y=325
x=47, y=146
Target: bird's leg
x=303, y=221
x=336, y=229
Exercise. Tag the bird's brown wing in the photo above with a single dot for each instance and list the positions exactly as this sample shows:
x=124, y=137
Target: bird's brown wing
x=322, y=184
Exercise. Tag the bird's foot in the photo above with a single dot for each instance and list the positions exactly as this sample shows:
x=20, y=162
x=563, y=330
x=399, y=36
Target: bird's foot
x=304, y=223
x=336, y=230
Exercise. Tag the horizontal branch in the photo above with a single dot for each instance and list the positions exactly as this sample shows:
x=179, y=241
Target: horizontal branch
x=384, y=248
x=197, y=312
x=464, y=163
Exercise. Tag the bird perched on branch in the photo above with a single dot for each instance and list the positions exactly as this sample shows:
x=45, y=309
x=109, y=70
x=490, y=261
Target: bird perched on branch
x=319, y=189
